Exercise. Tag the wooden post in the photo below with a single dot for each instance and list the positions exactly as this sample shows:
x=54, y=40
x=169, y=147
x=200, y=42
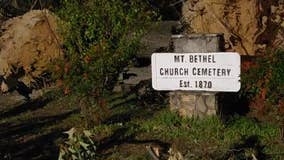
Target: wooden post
x=188, y=103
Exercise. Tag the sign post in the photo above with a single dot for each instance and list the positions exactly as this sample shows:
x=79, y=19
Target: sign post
x=211, y=72
x=195, y=72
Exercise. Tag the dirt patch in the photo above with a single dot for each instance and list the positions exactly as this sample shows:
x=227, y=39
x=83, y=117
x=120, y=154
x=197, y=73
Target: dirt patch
x=33, y=130
x=29, y=44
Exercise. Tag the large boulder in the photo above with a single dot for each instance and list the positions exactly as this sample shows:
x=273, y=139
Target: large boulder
x=249, y=26
x=28, y=45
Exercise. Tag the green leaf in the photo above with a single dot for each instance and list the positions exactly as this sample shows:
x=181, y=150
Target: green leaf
x=70, y=133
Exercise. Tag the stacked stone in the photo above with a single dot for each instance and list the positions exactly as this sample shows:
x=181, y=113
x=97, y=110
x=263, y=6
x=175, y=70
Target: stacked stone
x=195, y=104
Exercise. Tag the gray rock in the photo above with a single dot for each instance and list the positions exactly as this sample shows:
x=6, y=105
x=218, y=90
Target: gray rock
x=158, y=38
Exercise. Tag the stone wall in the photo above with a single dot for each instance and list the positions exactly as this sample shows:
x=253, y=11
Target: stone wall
x=189, y=104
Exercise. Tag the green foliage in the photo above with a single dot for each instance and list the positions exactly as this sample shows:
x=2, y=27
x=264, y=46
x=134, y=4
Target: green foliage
x=276, y=83
x=78, y=147
x=267, y=76
x=209, y=138
x=206, y=138
x=100, y=37
x=245, y=127
x=169, y=124
x=264, y=85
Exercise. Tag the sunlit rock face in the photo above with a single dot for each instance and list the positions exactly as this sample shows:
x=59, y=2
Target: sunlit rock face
x=28, y=45
x=249, y=27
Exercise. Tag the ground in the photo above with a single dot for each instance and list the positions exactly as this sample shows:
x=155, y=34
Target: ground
x=34, y=131
x=30, y=130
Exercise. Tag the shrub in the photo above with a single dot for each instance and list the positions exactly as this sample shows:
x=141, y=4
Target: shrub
x=100, y=36
x=264, y=85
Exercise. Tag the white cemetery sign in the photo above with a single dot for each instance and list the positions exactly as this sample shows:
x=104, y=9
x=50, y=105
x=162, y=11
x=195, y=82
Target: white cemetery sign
x=216, y=72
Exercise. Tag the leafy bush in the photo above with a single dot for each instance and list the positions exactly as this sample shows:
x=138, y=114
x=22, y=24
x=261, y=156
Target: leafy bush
x=264, y=84
x=100, y=37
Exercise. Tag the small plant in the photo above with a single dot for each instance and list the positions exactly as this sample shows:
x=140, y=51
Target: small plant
x=5, y=156
x=78, y=146
x=264, y=84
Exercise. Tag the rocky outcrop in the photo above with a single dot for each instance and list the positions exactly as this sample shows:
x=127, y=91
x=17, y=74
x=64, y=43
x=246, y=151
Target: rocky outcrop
x=28, y=45
x=277, y=12
x=249, y=27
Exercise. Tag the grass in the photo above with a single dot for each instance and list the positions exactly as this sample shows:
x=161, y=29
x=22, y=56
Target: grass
x=207, y=138
x=211, y=132
x=132, y=126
